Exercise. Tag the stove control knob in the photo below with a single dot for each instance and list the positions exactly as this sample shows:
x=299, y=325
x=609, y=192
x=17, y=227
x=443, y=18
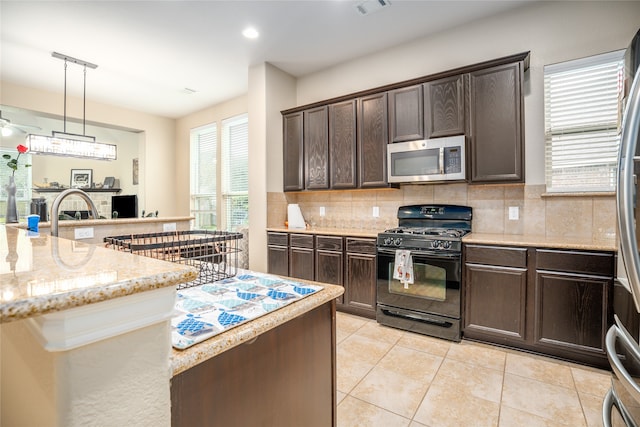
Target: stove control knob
x=446, y=244
x=398, y=241
x=435, y=244
x=388, y=241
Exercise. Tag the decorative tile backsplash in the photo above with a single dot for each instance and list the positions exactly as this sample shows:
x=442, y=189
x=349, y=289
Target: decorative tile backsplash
x=588, y=216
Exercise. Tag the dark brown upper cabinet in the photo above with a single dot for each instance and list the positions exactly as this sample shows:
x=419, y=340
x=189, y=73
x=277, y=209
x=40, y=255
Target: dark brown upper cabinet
x=373, y=137
x=342, y=144
x=406, y=118
x=292, y=148
x=444, y=107
x=316, y=148
x=496, y=124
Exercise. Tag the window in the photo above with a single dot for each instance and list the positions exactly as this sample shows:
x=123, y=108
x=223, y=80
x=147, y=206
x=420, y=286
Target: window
x=235, y=171
x=220, y=200
x=22, y=178
x=204, y=147
x=582, y=118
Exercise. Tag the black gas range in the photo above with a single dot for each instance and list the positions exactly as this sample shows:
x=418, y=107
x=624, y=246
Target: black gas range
x=420, y=270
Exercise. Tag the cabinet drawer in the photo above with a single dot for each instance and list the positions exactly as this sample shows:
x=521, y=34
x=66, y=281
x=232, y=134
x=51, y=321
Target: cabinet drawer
x=278, y=239
x=364, y=246
x=496, y=255
x=301, y=241
x=598, y=263
x=329, y=243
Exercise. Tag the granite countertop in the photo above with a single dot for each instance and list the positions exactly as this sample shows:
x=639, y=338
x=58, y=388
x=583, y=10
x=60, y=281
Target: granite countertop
x=181, y=360
x=42, y=274
x=353, y=232
x=559, y=242
x=94, y=222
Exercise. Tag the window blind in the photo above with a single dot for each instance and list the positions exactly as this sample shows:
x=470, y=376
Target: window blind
x=204, y=146
x=235, y=171
x=582, y=101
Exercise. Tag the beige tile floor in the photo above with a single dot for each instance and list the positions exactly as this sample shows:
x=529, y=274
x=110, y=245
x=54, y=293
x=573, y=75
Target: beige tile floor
x=387, y=377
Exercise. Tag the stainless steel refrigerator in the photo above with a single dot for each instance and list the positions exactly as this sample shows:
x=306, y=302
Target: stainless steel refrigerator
x=621, y=406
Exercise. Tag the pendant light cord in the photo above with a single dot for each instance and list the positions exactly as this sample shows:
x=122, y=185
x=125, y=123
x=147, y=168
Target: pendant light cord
x=84, y=101
x=64, y=127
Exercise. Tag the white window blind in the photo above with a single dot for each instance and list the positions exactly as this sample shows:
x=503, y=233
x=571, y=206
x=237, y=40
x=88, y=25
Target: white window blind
x=204, y=146
x=235, y=171
x=582, y=117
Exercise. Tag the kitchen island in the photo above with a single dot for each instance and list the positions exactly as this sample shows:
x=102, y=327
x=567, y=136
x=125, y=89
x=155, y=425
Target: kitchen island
x=85, y=333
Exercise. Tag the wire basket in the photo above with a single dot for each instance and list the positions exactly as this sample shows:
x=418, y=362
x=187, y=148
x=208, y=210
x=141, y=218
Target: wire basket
x=213, y=253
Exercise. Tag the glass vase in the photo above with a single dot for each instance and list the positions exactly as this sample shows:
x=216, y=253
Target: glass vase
x=12, y=210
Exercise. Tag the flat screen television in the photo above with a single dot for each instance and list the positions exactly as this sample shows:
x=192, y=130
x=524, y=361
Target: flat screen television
x=126, y=206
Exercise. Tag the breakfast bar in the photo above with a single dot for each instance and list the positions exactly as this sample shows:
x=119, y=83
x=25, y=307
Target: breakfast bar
x=86, y=340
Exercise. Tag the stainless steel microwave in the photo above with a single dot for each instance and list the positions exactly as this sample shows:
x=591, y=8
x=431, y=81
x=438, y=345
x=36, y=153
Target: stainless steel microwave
x=428, y=160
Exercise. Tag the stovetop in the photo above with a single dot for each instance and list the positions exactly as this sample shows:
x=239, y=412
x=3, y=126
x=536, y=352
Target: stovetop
x=428, y=227
x=428, y=231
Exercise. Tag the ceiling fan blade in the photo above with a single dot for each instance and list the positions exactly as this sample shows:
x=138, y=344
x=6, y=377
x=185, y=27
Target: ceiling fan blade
x=25, y=128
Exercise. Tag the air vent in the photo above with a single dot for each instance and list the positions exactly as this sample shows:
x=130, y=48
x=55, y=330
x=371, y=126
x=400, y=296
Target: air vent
x=368, y=7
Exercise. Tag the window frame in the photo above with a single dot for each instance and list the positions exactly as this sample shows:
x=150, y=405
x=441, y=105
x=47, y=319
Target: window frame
x=568, y=138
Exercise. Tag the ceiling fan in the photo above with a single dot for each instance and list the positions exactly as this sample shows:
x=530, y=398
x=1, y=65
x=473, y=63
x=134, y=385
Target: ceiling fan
x=7, y=128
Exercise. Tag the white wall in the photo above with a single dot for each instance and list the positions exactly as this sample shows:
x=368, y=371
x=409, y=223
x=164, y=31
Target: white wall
x=156, y=142
x=552, y=31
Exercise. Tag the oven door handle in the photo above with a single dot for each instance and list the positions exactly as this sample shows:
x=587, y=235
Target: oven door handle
x=618, y=368
x=433, y=254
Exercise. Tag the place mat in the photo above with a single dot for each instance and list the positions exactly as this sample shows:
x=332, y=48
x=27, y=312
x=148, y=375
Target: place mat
x=204, y=311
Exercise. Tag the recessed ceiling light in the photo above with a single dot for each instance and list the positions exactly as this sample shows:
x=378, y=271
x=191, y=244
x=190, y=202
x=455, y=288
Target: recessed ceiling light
x=250, y=33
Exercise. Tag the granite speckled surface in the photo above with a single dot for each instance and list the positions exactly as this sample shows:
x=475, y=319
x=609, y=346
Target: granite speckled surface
x=181, y=360
x=44, y=274
x=349, y=232
x=559, y=242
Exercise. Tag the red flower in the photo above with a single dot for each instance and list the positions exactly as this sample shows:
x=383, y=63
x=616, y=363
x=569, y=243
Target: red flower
x=13, y=163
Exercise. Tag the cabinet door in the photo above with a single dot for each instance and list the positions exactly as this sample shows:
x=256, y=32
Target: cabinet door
x=316, y=148
x=571, y=312
x=444, y=107
x=373, y=137
x=495, y=302
x=361, y=283
x=495, y=126
x=360, y=278
x=301, y=263
x=406, y=118
x=278, y=260
x=329, y=269
x=293, y=152
x=342, y=144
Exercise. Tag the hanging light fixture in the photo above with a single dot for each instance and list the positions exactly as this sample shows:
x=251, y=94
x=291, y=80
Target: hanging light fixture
x=69, y=144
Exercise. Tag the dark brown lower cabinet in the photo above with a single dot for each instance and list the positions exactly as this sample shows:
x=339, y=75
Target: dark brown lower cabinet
x=344, y=261
x=360, y=277
x=551, y=301
x=573, y=302
x=330, y=262
x=286, y=377
x=301, y=262
x=278, y=253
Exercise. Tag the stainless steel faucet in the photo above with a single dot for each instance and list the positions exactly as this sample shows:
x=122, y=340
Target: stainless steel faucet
x=60, y=198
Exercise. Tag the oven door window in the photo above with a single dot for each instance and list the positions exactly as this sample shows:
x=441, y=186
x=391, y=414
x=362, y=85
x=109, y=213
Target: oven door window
x=429, y=281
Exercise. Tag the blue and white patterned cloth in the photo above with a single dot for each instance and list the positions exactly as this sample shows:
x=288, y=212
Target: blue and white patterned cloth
x=207, y=310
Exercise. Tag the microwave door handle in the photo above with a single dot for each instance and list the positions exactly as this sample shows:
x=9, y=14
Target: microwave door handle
x=441, y=160
x=625, y=194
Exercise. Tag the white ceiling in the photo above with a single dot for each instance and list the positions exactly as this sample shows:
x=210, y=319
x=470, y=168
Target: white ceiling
x=148, y=52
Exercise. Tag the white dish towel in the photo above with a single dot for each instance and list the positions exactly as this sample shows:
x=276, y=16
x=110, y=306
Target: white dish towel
x=403, y=267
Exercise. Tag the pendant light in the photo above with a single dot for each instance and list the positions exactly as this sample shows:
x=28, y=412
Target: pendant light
x=69, y=144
